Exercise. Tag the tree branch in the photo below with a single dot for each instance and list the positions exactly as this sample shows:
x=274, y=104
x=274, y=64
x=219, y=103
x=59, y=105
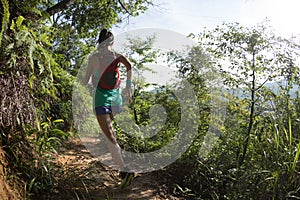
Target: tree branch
x=124, y=7
x=59, y=6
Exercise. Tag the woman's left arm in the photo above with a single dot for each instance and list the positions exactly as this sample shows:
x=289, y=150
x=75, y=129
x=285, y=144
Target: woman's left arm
x=127, y=64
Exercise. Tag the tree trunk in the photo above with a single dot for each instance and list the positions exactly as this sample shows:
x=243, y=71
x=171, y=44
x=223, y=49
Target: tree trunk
x=252, y=107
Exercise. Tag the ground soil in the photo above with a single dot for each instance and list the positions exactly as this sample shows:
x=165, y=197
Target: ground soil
x=81, y=176
x=7, y=191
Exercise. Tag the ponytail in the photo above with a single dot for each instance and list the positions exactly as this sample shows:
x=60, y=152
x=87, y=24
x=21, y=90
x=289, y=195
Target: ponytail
x=105, y=37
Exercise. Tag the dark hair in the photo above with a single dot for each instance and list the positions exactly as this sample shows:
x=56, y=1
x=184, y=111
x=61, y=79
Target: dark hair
x=105, y=37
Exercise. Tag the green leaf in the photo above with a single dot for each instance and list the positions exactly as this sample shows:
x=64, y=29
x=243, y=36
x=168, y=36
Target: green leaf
x=12, y=26
x=58, y=121
x=31, y=184
x=19, y=22
x=5, y=18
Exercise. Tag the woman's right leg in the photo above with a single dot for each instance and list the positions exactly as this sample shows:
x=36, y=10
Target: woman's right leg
x=106, y=125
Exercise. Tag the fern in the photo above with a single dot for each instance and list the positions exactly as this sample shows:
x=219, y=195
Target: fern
x=5, y=18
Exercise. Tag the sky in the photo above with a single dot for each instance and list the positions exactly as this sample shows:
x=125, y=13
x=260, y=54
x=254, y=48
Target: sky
x=191, y=16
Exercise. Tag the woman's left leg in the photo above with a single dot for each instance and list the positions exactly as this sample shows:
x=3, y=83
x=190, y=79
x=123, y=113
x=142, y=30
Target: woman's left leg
x=106, y=124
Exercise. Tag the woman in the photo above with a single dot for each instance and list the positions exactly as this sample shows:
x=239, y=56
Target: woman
x=103, y=68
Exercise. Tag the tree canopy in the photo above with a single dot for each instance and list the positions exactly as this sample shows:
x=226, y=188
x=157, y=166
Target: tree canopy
x=44, y=41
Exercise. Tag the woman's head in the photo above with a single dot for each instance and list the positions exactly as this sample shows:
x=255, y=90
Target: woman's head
x=106, y=37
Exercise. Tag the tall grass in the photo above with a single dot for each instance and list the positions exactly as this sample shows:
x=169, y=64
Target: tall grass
x=271, y=169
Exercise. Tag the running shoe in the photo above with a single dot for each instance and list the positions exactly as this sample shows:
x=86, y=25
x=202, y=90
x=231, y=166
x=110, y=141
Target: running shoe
x=126, y=178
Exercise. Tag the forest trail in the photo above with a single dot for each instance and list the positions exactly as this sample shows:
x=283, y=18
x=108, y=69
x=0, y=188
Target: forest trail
x=81, y=176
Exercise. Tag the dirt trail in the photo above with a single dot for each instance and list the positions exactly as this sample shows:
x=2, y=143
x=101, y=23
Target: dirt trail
x=81, y=176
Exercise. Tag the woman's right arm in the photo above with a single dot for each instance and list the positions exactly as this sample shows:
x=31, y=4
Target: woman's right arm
x=90, y=69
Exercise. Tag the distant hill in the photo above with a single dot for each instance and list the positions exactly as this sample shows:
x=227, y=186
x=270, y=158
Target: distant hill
x=273, y=86
x=276, y=85
x=241, y=92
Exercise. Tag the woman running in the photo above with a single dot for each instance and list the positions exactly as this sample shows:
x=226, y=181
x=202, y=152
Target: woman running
x=103, y=68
